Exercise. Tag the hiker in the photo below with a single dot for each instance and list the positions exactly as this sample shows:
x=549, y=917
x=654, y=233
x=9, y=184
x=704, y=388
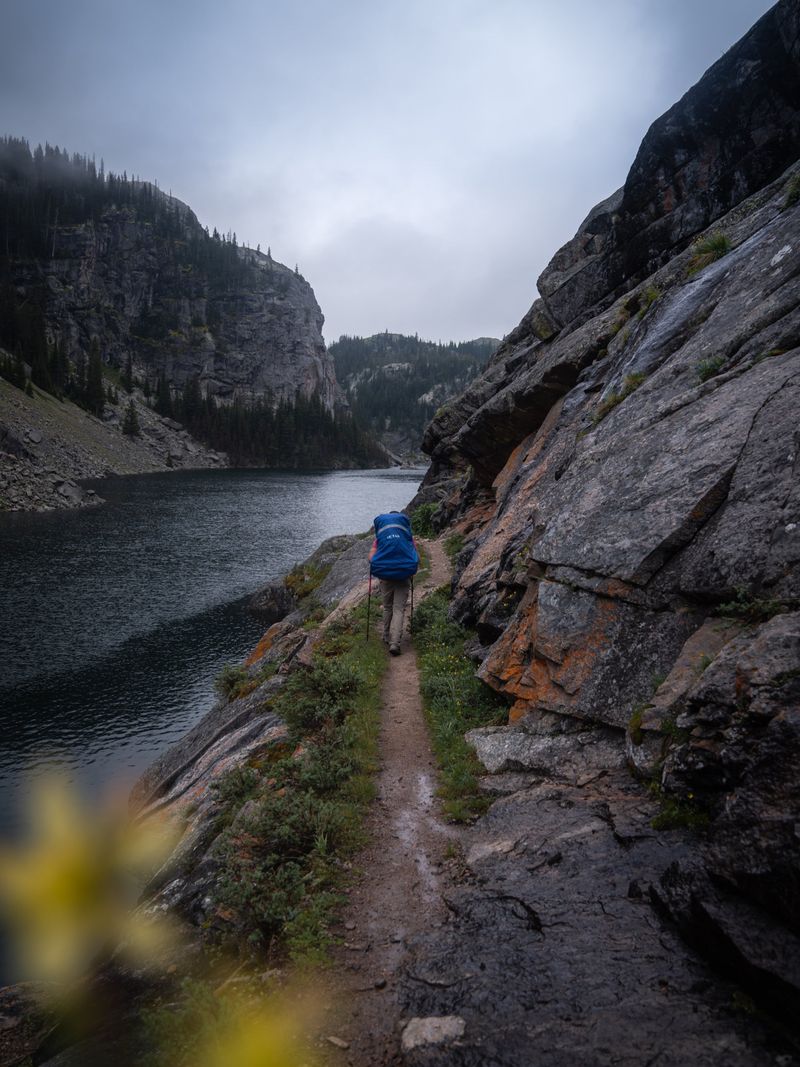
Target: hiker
x=394, y=559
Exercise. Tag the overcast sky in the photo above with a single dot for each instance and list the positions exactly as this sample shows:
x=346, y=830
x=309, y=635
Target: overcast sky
x=421, y=160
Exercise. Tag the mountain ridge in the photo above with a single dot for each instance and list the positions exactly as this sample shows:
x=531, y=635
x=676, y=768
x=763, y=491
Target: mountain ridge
x=395, y=382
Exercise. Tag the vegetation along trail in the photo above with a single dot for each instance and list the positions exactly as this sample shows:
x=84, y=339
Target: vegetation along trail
x=398, y=894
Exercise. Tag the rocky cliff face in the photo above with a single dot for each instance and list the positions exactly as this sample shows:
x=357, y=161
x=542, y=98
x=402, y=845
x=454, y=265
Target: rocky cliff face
x=131, y=284
x=625, y=474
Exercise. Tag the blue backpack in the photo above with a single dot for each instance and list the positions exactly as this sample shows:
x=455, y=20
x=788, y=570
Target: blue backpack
x=396, y=557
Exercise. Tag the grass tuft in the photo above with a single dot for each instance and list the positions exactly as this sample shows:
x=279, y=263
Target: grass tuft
x=649, y=297
x=792, y=191
x=453, y=545
x=749, y=607
x=422, y=520
x=303, y=581
x=709, y=368
x=613, y=400
x=707, y=249
x=635, y=724
x=680, y=814
x=454, y=701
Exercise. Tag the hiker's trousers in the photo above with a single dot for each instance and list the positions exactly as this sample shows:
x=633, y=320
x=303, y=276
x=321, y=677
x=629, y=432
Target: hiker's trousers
x=394, y=596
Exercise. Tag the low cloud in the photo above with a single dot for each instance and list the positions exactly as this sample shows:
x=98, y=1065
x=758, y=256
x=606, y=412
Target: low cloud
x=420, y=162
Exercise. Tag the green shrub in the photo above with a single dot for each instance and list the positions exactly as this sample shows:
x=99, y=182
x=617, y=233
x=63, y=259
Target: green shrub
x=236, y=786
x=233, y=681
x=326, y=768
x=749, y=607
x=315, y=612
x=321, y=696
x=301, y=580
x=649, y=297
x=613, y=400
x=680, y=814
x=453, y=545
x=267, y=858
x=422, y=520
x=281, y=863
x=707, y=249
x=708, y=368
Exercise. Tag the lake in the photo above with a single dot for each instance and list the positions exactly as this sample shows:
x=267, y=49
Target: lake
x=115, y=620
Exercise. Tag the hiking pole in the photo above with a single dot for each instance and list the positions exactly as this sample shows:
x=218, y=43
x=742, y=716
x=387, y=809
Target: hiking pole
x=411, y=620
x=369, y=602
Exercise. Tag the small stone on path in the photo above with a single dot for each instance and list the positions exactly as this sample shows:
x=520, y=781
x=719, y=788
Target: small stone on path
x=338, y=1042
x=433, y=1030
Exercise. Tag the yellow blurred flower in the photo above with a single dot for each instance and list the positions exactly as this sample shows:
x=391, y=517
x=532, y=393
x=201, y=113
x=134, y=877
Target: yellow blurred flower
x=68, y=892
x=252, y=1037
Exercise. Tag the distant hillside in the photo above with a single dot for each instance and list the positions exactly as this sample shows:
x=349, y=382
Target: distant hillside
x=396, y=383
x=105, y=272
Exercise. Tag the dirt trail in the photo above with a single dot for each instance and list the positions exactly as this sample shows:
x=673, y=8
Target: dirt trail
x=398, y=893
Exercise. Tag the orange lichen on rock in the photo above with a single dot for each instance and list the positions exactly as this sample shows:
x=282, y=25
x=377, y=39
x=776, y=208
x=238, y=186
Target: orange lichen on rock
x=541, y=663
x=581, y=658
x=263, y=646
x=511, y=654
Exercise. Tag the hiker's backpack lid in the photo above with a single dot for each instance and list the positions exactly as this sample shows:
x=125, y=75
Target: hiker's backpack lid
x=396, y=557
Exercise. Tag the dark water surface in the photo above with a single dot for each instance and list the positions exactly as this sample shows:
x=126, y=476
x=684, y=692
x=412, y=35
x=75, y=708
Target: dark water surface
x=115, y=620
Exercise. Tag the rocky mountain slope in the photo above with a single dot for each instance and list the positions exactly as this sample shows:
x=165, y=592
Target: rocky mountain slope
x=47, y=446
x=102, y=255
x=625, y=477
x=395, y=383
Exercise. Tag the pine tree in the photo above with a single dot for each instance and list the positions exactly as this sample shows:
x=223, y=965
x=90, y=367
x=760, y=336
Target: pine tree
x=130, y=423
x=78, y=386
x=163, y=403
x=127, y=376
x=95, y=395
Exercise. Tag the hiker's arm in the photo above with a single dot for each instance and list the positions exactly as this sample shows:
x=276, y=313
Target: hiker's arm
x=374, y=549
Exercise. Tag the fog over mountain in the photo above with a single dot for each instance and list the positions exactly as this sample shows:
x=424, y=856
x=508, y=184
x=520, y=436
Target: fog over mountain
x=419, y=162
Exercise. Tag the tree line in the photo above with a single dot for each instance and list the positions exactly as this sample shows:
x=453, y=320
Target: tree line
x=387, y=397
x=300, y=433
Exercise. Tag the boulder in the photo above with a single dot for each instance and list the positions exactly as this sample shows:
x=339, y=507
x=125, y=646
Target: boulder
x=350, y=569
x=272, y=603
x=566, y=756
x=70, y=491
x=329, y=551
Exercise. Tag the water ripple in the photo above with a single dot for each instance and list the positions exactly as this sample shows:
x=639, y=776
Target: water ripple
x=115, y=620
